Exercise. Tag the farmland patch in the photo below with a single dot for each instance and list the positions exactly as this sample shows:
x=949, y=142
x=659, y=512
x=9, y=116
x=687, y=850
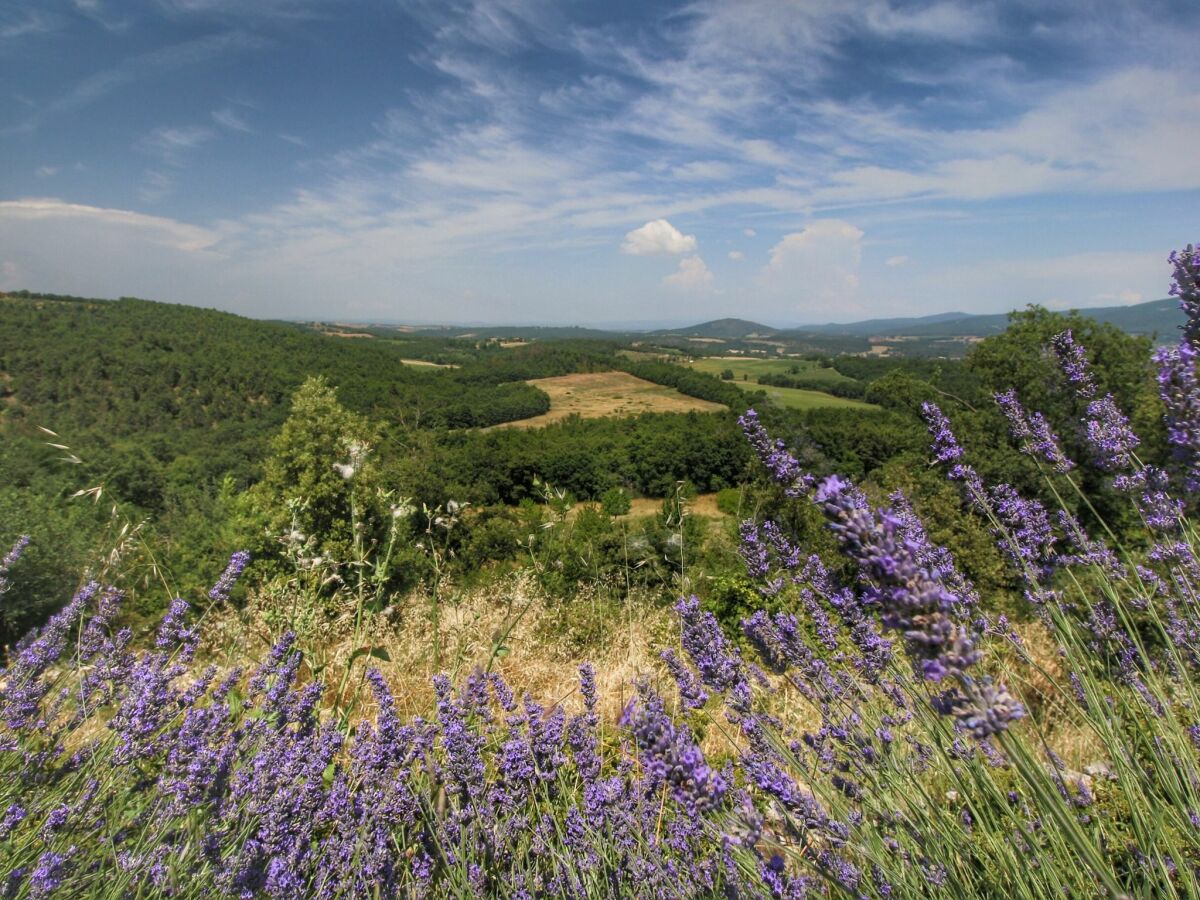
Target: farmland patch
x=594, y=395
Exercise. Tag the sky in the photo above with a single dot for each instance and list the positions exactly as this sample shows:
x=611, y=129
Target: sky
x=598, y=161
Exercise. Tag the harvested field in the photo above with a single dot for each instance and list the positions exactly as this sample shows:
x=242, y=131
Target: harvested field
x=427, y=363
x=595, y=395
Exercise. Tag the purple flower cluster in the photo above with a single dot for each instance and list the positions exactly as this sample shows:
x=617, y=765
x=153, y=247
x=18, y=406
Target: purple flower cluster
x=1033, y=432
x=10, y=560
x=782, y=466
x=1178, y=380
x=243, y=784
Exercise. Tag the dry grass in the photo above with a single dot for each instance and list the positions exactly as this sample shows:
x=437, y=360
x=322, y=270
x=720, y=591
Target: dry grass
x=428, y=364
x=547, y=641
x=703, y=505
x=595, y=395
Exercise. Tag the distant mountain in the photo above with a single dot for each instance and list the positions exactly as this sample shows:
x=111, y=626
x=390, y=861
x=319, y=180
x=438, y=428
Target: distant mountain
x=1157, y=318
x=903, y=325
x=728, y=329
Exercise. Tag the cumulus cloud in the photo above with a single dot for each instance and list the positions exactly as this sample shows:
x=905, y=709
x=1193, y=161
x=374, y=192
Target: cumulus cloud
x=737, y=255
x=893, y=261
x=817, y=266
x=692, y=275
x=749, y=232
x=658, y=236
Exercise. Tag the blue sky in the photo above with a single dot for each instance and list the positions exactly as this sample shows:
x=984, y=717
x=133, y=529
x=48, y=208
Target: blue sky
x=591, y=162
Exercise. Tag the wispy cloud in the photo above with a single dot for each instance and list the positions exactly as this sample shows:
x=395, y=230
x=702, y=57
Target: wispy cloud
x=99, y=12
x=102, y=83
x=19, y=24
x=230, y=118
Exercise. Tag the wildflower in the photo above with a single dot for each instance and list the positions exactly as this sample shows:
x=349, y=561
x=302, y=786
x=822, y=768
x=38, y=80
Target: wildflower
x=671, y=757
x=945, y=445
x=1074, y=363
x=1185, y=285
x=1109, y=435
x=911, y=599
x=719, y=662
x=691, y=693
x=1033, y=431
x=48, y=875
x=13, y=816
x=981, y=707
x=782, y=466
x=237, y=564
x=10, y=559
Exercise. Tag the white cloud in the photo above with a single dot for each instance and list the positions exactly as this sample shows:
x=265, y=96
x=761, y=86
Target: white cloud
x=702, y=170
x=228, y=117
x=749, y=232
x=816, y=269
x=131, y=69
x=943, y=21
x=70, y=248
x=692, y=275
x=33, y=22
x=171, y=144
x=154, y=230
x=737, y=255
x=893, y=261
x=46, y=171
x=99, y=13
x=658, y=236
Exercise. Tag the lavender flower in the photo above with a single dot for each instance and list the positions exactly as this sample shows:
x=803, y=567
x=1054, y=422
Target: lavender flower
x=945, y=445
x=982, y=708
x=1074, y=363
x=719, y=662
x=781, y=465
x=691, y=692
x=1109, y=435
x=237, y=564
x=911, y=599
x=671, y=757
x=1179, y=389
x=10, y=560
x=1033, y=432
x=1185, y=285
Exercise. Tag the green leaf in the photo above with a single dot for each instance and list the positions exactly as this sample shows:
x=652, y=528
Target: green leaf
x=376, y=652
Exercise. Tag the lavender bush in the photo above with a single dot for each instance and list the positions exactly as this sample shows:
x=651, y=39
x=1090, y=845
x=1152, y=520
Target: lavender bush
x=887, y=736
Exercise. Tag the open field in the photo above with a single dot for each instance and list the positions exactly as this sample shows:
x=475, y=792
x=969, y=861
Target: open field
x=428, y=364
x=594, y=395
x=752, y=368
x=798, y=398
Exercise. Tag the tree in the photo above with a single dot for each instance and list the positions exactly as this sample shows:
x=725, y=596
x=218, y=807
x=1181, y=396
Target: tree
x=319, y=476
x=615, y=502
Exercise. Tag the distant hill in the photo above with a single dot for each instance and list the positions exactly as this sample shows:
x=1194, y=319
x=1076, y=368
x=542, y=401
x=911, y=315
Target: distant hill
x=728, y=329
x=1158, y=318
